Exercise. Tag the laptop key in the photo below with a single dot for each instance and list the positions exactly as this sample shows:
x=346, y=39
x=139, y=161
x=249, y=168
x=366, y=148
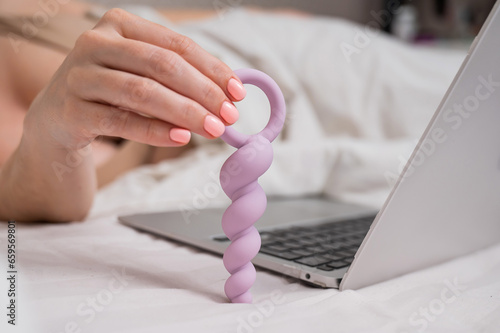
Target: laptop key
x=333, y=256
x=281, y=239
x=303, y=252
x=346, y=253
x=333, y=246
x=276, y=247
x=316, y=249
x=355, y=242
x=292, y=245
x=337, y=264
x=351, y=251
x=288, y=255
x=348, y=260
x=322, y=238
x=307, y=241
x=313, y=261
x=268, y=242
x=325, y=268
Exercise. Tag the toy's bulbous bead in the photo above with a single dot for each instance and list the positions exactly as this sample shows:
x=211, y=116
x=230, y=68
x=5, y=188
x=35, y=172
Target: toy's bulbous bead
x=246, y=165
x=239, y=176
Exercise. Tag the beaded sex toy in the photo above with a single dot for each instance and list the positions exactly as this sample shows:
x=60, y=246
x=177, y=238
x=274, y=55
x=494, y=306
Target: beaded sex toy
x=239, y=180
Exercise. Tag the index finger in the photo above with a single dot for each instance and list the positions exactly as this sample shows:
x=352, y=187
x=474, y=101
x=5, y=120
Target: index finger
x=134, y=27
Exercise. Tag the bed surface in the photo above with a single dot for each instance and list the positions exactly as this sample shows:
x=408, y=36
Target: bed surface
x=352, y=120
x=140, y=283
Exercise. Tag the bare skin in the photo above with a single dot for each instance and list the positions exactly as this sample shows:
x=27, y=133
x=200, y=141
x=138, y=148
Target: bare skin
x=126, y=78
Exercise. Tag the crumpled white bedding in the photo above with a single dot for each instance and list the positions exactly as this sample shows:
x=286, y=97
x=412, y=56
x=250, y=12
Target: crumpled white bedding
x=350, y=126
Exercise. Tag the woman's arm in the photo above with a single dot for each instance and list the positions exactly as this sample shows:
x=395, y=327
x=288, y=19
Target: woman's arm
x=126, y=78
x=29, y=187
x=43, y=182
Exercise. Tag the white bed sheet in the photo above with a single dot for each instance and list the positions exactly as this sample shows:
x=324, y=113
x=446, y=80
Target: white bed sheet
x=350, y=126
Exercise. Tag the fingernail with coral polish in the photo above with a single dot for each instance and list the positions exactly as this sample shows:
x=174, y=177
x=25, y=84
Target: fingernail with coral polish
x=180, y=135
x=229, y=112
x=214, y=126
x=236, y=89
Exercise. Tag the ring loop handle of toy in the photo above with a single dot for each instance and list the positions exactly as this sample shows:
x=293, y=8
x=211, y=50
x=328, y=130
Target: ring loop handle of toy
x=276, y=101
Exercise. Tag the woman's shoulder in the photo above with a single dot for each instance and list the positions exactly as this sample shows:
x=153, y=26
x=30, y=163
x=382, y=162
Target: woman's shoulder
x=61, y=25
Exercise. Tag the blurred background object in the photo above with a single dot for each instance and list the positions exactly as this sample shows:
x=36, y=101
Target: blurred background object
x=452, y=18
x=404, y=23
x=408, y=19
x=356, y=10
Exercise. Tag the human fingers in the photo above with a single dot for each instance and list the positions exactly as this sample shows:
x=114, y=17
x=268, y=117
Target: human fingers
x=167, y=68
x=133, y=27
x=143, y=96
x=108, y=120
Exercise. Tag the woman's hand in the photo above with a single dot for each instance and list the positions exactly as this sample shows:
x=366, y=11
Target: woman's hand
x=134, y=79
x=127, y=78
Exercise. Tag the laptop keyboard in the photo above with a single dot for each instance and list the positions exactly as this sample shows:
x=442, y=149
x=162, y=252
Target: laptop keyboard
x=326, y=246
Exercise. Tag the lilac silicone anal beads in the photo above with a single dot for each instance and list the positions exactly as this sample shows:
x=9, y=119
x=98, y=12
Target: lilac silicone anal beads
x=239, y=180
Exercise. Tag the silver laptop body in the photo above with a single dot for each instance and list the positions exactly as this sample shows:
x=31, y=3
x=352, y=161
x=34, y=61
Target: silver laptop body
x=445, y=204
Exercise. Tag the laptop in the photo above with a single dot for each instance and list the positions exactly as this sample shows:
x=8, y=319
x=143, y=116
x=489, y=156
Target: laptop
x=445, y=203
